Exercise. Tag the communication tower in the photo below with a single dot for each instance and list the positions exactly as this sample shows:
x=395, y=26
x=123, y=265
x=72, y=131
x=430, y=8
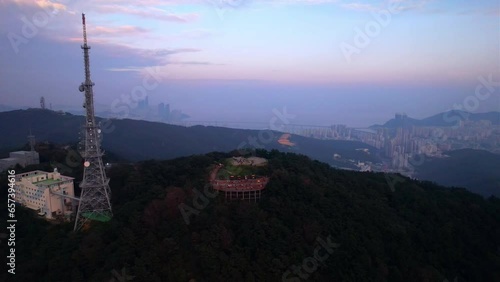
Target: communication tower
x=95, y=203
x=42, y=103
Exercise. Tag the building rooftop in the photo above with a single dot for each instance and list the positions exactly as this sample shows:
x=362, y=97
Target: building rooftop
x=9, y=159
x=49, y=181
x=23, y=152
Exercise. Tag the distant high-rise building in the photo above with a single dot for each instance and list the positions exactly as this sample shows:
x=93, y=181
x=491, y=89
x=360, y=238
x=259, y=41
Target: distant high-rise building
x=401, y=116
x=143, y=104
x=167, y=112
x=161, y=109
x=164, y=112
x=401, y=119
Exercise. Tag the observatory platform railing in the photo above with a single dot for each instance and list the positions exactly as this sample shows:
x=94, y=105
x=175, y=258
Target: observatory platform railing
x=246, y=188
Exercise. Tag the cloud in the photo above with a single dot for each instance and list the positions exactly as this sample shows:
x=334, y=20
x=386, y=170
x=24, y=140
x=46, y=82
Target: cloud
x=149, y=9
x=123, y=57
x=195, y=63
x=144, y=57
x=44, y=4
x=166, y=52
x=117, y=31
x=126, y=69
x=360, y=7
x=406, y=5
x=492, y=12
x=400, y=5
x=148, y=13
x=137, y=59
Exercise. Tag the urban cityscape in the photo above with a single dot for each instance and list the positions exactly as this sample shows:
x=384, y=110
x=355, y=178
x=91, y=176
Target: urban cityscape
x=398, y=144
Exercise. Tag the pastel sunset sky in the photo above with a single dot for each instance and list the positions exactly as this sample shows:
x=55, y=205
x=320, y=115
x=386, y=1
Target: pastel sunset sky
x=327, y=61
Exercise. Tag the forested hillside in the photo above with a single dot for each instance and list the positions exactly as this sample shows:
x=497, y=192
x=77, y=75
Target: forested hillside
x=476, y=170
x=313, y=222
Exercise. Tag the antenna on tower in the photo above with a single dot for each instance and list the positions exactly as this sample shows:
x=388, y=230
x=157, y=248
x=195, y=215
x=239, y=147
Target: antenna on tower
x=31, y=139
x=95, y=203
x=84, y=30
x=42, y=103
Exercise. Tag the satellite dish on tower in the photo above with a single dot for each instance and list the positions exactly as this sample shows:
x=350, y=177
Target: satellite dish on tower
x=81, y=88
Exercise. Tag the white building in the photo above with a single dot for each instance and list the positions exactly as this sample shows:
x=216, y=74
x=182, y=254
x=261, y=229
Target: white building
x=25, y=157
x=22, y=158
x=49, y=193
x=7, y=163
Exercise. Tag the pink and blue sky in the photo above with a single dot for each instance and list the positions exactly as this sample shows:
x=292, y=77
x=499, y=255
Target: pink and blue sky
x=239, y=60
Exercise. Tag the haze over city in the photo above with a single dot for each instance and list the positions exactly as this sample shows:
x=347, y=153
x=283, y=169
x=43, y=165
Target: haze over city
x=239, y=60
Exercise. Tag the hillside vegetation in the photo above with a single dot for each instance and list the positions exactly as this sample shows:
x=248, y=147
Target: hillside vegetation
x=313, y=222
x=476, y=170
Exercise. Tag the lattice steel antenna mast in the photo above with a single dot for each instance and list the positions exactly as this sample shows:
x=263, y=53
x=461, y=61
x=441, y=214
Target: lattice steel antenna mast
x=95, y=198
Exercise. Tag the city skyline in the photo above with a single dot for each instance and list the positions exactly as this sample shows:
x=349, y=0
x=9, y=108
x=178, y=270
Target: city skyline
x=237, y=60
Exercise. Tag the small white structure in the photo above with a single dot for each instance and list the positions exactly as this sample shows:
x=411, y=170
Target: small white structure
x=7, y=162
x=49, y=193
x=26, y=157
x=23, y=158
x=252, y=161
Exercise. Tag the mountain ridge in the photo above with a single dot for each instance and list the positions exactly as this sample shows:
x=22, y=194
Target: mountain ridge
x=137, y=140
x=448, y=118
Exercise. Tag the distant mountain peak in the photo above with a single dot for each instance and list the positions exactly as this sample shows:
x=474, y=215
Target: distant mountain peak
x=448, y=118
